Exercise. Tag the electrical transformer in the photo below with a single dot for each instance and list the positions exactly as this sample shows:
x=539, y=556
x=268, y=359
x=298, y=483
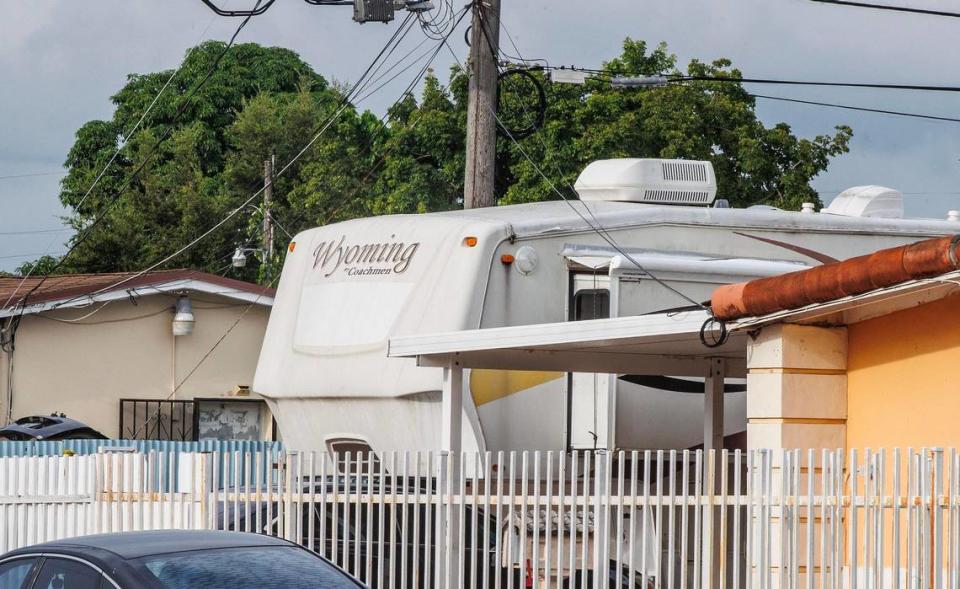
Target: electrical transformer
x=373, y=10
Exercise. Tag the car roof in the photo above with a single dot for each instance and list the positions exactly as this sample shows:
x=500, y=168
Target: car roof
x=44, y=426
x=129, y=545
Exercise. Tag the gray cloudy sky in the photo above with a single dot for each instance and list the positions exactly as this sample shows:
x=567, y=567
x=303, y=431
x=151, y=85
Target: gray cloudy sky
x=61, y=61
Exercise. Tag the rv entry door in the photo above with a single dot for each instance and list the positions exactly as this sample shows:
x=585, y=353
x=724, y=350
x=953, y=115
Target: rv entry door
x=591, y=398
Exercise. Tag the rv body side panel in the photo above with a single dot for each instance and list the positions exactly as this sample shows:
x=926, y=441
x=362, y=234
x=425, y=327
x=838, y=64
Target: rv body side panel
x=347, y=288
x=681, y=255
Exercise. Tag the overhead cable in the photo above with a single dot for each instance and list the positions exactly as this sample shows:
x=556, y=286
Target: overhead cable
x=88, y=230
x=32, y=175
x=343, y=105
x=859, y=108
x=774, y=81
x=595, y=225
x=926, y=11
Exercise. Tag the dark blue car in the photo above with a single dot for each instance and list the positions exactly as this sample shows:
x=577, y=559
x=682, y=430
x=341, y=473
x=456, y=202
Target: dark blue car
x=170, y=560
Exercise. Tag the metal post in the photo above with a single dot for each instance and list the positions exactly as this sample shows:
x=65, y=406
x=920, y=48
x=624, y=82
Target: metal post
x=478, y=187
x=448, y=537
x=452, y=408
x=600, y=528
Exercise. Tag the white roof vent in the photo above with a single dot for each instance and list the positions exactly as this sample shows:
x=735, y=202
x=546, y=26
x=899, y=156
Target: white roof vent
x=867, y=201
x=653, y=181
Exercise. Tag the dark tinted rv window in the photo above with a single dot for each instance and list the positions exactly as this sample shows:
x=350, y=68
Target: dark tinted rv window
x=360, y=455
x=591, y=304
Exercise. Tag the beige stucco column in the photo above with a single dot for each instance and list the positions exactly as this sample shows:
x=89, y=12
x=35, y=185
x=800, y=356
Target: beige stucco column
x=797, y=388
x=796, y=400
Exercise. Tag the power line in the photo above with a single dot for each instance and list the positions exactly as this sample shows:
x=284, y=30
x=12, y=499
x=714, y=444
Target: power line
x=14, y=256
x=129, y=134
x=81, y=238
x=674, y=78
x=32, y=175
x=872, y=85
x=892, y=8
x=595, y=225
x=126, y=137
x=680, y=79
x=356, y=89
x=408, y=126
x=322, y=128
x=858, y=108
x=36, y=231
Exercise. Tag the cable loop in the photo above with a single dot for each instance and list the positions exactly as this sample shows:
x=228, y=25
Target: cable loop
x=708, y=335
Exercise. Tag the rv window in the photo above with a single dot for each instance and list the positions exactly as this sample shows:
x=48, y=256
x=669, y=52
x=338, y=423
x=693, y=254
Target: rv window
x=341, y=317
x=591, y=304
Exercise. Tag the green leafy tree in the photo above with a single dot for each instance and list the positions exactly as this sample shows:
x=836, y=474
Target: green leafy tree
x=706, y=120
x=39, y=267
x=205, y=150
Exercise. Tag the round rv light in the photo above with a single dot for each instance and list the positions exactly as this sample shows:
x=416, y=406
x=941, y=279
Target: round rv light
x=527, y=260
x=470, y=241
x=239, y=259
x=183, y=319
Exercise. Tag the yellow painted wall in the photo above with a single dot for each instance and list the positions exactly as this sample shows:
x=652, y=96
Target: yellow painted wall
x=903, y=387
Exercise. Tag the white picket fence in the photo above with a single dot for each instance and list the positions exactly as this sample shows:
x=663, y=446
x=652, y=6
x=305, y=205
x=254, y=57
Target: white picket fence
x=811, y=519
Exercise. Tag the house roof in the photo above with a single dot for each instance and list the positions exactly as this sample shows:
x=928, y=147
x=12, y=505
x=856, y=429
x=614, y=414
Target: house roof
x=72, y=290
x=884, y=270
x=856, y=308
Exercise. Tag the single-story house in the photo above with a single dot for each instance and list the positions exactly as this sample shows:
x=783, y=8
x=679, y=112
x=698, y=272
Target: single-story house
x=156, y=355
x=857, y=354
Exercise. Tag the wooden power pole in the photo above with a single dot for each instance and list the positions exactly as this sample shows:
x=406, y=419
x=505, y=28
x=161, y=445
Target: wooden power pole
x=267, y=218
x=478, y=187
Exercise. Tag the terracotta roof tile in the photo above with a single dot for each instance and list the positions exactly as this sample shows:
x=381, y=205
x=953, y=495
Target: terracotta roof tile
x=881, y=269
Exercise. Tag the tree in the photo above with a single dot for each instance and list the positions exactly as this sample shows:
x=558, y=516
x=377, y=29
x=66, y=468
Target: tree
x=713, y=121
x=202, y=152
x=39, y=267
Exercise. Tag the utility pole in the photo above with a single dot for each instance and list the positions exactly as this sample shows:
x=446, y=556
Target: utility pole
x=478, y=186
x=267, y=215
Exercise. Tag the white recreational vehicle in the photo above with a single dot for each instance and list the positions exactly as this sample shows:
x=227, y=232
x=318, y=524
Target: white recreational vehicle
x=348, y=287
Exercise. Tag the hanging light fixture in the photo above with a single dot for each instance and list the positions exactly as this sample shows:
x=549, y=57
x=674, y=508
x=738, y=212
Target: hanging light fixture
x=183, y=319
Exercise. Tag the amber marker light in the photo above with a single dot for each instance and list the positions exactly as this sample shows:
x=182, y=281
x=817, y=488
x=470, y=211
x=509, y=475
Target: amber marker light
x=470, y=241
x=507, y=259
x=292, y=246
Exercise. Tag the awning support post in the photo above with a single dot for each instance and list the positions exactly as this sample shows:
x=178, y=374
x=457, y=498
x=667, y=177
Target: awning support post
x=713, y=462
x=713, y=406
x=448, y=475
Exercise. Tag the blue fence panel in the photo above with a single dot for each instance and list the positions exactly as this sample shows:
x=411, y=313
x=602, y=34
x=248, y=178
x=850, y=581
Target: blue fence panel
x=232, y=456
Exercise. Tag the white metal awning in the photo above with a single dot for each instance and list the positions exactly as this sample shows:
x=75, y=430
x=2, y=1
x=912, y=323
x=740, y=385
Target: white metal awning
x=666, y=344
x=662, y=344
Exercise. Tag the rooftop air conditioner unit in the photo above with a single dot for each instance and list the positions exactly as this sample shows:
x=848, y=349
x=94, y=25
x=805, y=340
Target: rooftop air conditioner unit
x=651, y=181
x=867, y=201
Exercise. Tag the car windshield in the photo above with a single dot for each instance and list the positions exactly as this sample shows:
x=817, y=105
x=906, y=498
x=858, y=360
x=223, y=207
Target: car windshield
x=245, y=568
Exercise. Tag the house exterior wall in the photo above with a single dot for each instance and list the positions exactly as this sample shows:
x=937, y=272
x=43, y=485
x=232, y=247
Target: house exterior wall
x=902, y=378
x=83, y=368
